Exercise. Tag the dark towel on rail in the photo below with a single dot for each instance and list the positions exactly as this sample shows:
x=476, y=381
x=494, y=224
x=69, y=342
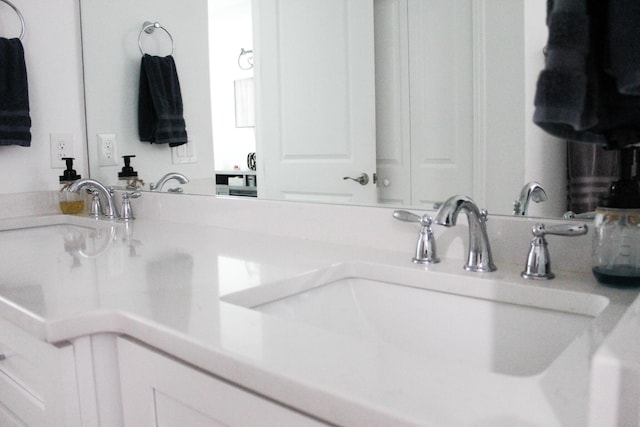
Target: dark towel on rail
x=160, y=110
x=579, y=96
x=15, y=121
x=624, y=16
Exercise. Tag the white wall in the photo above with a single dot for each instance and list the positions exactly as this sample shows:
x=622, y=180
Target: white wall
x=112, y=71
x=546, y=155
x=516, y=150
x=503, y=156
x=230, y=29
x=54, y=69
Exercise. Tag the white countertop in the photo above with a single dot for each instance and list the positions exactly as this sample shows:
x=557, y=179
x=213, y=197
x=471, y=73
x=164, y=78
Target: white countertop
x=160, y=282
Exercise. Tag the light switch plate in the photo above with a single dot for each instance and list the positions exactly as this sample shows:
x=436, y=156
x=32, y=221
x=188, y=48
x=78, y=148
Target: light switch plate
x=185, y=153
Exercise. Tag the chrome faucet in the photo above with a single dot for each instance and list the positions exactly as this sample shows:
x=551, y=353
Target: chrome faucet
x=479, y=258
x=106, y=193
x=171, y=175
x=531, y=191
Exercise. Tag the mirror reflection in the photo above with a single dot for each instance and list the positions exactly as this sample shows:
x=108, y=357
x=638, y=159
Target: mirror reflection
x=427, y=98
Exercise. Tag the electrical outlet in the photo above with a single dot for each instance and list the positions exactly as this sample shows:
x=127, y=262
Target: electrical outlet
x=107, y=149
x=61, y=147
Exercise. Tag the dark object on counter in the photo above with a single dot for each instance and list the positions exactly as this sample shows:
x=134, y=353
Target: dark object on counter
x=160, y=109
x=15, y=121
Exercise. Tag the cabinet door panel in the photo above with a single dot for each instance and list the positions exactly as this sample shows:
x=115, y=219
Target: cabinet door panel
x=160, y=391
x=171, y=412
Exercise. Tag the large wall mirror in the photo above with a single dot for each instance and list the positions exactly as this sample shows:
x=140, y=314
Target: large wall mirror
x=428, y=98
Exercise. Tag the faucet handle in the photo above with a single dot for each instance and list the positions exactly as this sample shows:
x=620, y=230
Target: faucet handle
x=126, y=211
x=96, y=207
x=538, y=266
x=407, y=216
x=426, y=245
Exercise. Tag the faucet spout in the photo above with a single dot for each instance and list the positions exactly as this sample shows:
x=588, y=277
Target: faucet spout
x=171, y=175
x=531, y=191
x=106, y=193
x=479, y=258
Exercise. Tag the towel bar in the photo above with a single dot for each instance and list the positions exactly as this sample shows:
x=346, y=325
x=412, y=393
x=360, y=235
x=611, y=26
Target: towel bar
x=149, y=27
x=17, y=11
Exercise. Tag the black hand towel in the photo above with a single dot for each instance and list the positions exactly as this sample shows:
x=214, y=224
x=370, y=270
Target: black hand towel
x=15, y=122
x=160, y=111
x=624, y=38
x=587, y=91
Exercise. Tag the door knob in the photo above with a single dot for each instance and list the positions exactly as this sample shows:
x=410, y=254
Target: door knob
x=363, y=179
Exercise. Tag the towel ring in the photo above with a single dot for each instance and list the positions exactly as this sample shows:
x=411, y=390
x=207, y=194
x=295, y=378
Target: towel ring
x=248, y=59
x=149, y=27
x=17, y=11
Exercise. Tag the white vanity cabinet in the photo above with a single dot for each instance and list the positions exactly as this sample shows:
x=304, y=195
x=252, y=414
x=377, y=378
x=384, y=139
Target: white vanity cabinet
x=158, y=390
x=37, y=381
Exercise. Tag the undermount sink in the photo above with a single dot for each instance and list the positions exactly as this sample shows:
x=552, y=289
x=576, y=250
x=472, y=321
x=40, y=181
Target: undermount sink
x=78, y=235
x=492, y=325
x=28, y=222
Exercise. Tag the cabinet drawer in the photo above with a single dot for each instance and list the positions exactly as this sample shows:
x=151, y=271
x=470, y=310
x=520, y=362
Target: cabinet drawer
x=161, y=391
x=17, y=406
x=8, y=419
x=23, y=359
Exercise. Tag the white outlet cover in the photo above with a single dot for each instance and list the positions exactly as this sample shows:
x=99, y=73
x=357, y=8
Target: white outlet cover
x=61, y=145
x=107, y=149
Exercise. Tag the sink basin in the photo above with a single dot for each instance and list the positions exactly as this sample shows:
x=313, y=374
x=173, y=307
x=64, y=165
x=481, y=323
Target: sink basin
x=491, y=325
x=22, y=223
x=78, y=235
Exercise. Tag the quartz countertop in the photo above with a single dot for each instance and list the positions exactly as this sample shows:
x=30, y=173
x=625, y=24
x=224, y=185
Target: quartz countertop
x=160, y=282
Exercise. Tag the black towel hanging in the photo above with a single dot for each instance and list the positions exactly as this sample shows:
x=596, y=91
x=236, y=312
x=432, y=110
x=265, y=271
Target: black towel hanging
x=160, y=108
x=15, y=120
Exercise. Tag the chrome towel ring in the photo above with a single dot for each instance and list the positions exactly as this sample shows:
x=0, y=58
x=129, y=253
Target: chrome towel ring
x=149, y=27
x=248, y=59
x=17, y=11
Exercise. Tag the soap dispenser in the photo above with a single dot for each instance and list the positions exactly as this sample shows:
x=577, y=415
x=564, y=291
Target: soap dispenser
x=616, y=248
x=128, y=174
x=70, y=202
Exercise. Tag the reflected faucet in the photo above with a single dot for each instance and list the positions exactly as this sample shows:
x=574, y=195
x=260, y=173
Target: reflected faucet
x=106, y=193
x=479, y=258
x=171, y=175
x=531, y=191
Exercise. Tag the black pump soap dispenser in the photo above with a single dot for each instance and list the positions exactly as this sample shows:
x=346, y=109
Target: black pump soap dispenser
x=70, y=203
x=128, y=174
x=616, y=246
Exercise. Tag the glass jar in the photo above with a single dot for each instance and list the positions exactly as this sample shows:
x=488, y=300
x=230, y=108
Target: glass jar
x=616, y=246
x=70, y=203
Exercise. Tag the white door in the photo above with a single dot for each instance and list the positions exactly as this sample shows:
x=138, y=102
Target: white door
x=315, y=93
x=442, y=117
x=393, y=124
